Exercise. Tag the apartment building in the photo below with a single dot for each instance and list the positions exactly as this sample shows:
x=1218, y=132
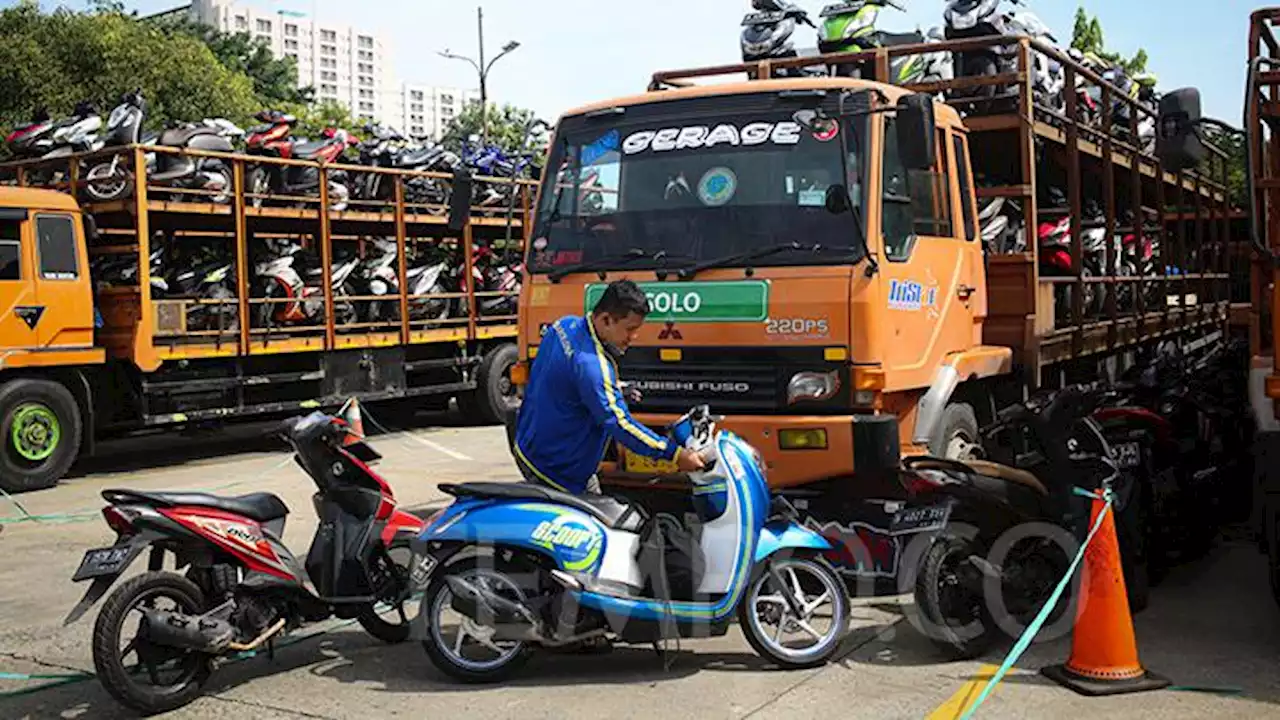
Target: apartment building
x=426, y=110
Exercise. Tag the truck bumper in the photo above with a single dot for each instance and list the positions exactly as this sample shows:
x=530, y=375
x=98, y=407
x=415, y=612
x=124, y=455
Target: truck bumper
x=799, y=450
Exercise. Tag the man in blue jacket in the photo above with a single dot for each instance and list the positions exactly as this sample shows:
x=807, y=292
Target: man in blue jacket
x=573, y=405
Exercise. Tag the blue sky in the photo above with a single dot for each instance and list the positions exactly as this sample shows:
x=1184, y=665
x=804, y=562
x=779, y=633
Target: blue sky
x=577, y=51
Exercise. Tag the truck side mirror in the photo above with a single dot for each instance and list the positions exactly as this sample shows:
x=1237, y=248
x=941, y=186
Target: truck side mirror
x=460, y=203
x=917, y=139
x=1178, y=144
x=91, y=234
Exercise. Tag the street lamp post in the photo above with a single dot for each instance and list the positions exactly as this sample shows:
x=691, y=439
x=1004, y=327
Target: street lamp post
x=482, y=69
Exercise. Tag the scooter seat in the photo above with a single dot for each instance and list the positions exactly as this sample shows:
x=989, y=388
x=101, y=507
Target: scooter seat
x=308, y=150
x=416, y=158
x=887, y=39
x=984, y=468
x=260, y=506
x=613, y=513
x=178, y=137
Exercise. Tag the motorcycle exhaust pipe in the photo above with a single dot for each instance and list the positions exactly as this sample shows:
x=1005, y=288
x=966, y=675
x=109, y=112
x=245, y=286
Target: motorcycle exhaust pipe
x=510, y=620
x=190, y=632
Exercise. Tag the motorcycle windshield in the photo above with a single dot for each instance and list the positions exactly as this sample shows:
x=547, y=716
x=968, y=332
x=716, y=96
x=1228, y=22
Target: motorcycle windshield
x=690, y=180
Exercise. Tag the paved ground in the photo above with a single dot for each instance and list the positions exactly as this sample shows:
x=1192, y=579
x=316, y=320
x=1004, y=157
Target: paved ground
x=1209, y=625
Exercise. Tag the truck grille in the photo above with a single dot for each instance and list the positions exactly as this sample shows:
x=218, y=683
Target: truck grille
x=730, y=380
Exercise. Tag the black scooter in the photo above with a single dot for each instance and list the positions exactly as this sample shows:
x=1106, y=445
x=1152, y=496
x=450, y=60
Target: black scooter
x=1054, y=445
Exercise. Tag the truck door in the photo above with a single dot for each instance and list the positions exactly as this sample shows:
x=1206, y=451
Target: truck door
x=19, y=310
x=927, y=274
x=62, y=282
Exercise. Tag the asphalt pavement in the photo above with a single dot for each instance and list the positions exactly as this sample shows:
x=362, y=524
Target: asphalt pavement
x=1211, y=627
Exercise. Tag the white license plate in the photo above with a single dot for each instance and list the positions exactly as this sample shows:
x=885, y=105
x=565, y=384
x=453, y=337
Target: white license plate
x=920, y=519
x=422, y=568
x=1127, y=455
x=764, y=18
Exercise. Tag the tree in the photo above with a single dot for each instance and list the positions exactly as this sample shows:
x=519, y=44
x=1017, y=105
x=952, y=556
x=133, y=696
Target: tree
x=507, y=127
x=275, y=80
x=1087, y=37
x=55, y=60
x=1234, y=146
x=314, y=118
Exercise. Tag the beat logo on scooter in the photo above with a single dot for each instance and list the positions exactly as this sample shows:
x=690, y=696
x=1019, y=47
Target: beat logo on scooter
x=577, y=545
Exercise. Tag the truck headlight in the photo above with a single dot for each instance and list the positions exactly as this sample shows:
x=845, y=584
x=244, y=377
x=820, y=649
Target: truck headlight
x=812, y=386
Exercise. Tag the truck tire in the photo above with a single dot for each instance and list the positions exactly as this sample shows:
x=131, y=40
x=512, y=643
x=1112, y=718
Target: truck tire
x=489, y=403
x=957, y=436
x=40, y=433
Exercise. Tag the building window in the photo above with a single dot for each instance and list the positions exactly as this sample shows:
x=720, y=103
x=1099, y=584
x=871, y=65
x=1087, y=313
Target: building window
x=415, y=130
x=291, y=30
x=366, y=55
x=242, y=22
x=328, y=63
x=328, y=90
x=328, y=50
x=329, y=75
x=264, y=26
x=446, y=99
x=416, y=107
x=366, y=68
x=446, y=112
x=366, y=81
x=292, y=55
x=366, y=42
x=290, y=44
x=416, y=95
x=366, y=106
x=328, y=36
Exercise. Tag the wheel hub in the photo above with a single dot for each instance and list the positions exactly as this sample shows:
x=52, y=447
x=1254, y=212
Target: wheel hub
x=35, y=432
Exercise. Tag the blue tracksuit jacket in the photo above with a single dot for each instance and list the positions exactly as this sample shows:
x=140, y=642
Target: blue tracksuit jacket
x=572, y=407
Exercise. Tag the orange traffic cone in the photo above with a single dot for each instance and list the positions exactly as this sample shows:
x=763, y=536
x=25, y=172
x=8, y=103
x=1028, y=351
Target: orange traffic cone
x=1104, y=652
x=350, y=413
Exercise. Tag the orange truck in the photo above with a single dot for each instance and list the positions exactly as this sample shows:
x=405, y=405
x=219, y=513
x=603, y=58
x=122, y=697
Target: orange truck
x=1262, y=112
x=84, y=356
x=813, y=250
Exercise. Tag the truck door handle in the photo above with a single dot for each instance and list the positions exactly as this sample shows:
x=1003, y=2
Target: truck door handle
x=964, y=291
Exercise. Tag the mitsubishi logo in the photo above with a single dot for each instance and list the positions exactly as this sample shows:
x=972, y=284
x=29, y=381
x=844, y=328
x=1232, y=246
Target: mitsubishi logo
x=670, y=332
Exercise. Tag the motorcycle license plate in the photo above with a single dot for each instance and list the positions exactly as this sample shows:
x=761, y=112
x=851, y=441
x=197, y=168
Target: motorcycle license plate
x=633, y=463
x=106, y=561
x=763, y=18
x=422, y=568
x=841, y=9
x=1127, y=455
x=920, y=519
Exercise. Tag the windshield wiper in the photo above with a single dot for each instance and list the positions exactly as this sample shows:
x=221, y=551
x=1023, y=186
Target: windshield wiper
x=608, y=262
x=761, y=252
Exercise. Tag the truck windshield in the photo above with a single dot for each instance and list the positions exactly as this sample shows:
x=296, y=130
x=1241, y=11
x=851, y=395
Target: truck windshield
x=674, y=183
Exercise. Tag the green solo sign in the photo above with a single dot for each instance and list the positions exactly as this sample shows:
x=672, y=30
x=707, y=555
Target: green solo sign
x=720, y=301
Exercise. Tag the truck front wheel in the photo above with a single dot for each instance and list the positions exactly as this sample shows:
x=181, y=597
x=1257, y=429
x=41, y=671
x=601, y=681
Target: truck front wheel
x=957, y=437
x=40, y=430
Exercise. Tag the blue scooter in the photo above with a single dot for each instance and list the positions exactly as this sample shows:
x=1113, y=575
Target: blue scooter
x=511, y=567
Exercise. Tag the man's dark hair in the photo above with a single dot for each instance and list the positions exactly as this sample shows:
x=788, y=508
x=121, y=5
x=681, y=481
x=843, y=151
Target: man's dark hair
x=621, y=299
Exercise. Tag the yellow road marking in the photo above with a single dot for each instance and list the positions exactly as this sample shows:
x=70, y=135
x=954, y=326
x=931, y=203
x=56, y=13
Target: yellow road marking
x=963, y=698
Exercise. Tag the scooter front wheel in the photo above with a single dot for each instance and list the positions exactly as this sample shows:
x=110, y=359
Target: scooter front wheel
x=795, y=612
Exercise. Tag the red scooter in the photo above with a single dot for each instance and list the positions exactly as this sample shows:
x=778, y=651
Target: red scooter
x=275, y=139
x=242, y=588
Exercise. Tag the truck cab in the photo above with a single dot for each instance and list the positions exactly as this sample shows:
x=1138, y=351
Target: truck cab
x=811, y=253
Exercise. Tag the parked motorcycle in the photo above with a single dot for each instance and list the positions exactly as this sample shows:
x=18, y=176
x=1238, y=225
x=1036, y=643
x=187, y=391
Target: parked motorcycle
x=242, y=588
x=112, y=180
x=274, y=138
x=491, y=161
x=570, y=568
x=291, y=274
x=851, y=27
x=492, y=275
x=983, y=18
x=387, y=148
x=1054, y=445
x=381, y=273
x=767, y=33
x=33, y=139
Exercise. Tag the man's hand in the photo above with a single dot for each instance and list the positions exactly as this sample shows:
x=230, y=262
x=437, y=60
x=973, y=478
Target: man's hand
x=690, y=461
